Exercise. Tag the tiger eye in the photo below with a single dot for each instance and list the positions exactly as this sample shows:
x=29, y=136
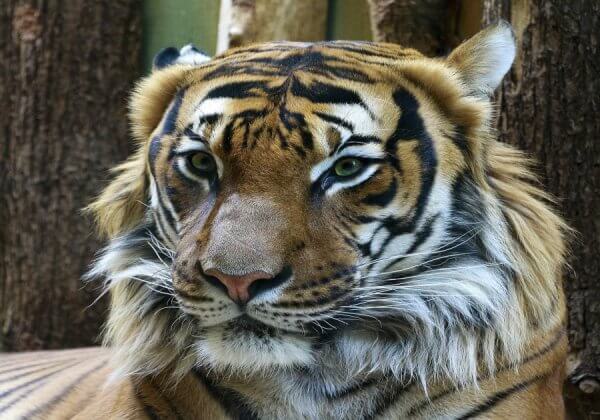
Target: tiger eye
x=347, y=167
x=202, y=162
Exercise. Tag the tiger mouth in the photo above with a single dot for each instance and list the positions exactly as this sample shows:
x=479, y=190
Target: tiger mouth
x=246, y=323
x=314, y=316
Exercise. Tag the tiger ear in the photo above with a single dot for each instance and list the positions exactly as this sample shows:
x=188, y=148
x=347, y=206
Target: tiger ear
x=152, y=95
x=189, y=54
x=484, y=59
x=121, y=205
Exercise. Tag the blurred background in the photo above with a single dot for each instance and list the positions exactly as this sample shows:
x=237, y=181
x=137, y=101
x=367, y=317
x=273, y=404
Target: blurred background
x=66, y=68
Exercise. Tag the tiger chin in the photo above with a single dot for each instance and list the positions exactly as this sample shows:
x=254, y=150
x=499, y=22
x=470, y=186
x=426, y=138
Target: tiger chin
x=318, y=230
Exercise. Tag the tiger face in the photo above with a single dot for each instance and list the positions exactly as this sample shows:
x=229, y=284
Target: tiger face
x=308, y=200
x=291, y=195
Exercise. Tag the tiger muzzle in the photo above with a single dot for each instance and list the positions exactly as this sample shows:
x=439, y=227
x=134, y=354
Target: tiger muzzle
x=242, y=253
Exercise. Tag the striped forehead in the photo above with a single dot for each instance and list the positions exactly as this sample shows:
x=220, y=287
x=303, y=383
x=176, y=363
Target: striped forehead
x=339, y=102
x=327, y=113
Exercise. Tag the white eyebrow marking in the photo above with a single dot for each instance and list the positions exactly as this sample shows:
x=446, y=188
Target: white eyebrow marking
x=188, y=144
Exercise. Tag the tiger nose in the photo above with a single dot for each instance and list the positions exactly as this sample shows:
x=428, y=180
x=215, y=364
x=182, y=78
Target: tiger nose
x=238, y=287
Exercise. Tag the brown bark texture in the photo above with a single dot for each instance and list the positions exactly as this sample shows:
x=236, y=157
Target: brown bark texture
x=419, y=24
x=550, y=106
x=65, y=72
x=245, y=22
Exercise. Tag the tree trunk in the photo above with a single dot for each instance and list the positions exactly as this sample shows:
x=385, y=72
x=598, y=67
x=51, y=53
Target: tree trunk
x=550, y=107
x=244, y=22
x=419, y=24
x=66, y=69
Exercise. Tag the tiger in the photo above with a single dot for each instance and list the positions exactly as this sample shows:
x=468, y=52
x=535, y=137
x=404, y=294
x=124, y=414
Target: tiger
x=326, y=230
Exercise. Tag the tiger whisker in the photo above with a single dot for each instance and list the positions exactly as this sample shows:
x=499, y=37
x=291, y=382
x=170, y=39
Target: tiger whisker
x=152, y=286
x=414, y=254
x=462, y=254
x=431, y=271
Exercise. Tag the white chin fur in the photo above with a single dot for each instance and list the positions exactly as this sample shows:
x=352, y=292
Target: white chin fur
x=251, y=353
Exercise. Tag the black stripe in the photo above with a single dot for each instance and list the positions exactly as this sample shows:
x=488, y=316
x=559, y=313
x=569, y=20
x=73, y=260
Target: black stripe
x=411, y=127
x=500, y=396
x=148, y=409
x=368, y=51
x=239, y=68
x=192, y=136
x=298, y=58
x=231, y=401
x=348, y=73
x=209, y=119
x=153, y=151
x=544, y=350
x=170, y=121
x=172, y=408
x=65, y=391
x=161, y=225
x=21, y=397
x=547, y=348
x=24, y=395
x=349, y=391
x=227, y=136
x=310, y=61
x=168, y=127
x=169, y=218
x=421, y=237
x=324, y=93
x=383, y=198
x=237, y=90
x=386, y=401
x=335, y=120
x=27, y=373
x=357, y=140
x=250, y=114
x=37, y=363
x=246, y=126
x=282, y=140
x=460, y=140
x=33, y=381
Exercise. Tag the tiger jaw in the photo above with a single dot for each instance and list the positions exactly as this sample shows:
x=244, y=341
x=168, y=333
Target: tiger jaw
x=244, y=344
x=246, y=337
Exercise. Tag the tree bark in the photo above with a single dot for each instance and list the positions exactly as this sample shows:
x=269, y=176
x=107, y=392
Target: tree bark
x=244, y=22
x=66, y=69
x=419, y=24
x=549, y=106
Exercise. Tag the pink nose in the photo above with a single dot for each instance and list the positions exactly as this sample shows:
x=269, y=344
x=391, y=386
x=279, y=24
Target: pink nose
x=238, y=287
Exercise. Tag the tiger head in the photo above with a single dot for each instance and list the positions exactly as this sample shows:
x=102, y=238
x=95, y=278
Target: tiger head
x=291, y=204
